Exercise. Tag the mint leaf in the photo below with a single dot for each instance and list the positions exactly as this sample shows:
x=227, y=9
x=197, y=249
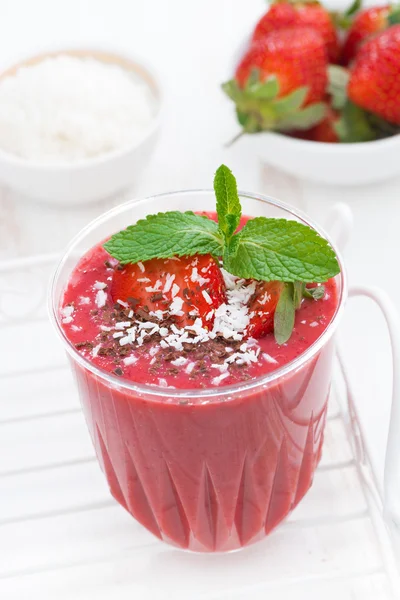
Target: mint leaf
x=298, y=293
x=228, y=204
x=277, y=249
x=316, y=293
x=284, y=315
x=164, y=235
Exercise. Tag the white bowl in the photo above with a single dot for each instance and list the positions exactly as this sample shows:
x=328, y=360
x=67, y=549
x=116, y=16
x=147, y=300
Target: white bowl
x=334, y=164
x=95, y=178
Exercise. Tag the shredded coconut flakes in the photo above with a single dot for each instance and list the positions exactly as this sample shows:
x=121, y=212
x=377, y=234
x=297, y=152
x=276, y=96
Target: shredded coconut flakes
x=217, y=380
x=67, y=313
x=130, y=360
x=66, y=109
x=101, y=299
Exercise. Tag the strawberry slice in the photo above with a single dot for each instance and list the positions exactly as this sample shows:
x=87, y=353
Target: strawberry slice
x=184, y=288
x=262, y=308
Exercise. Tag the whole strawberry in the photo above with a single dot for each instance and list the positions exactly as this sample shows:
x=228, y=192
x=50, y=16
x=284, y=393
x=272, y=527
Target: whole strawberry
x=366, y=24
x=375, y=77
x=283, y=14
x=281, y=81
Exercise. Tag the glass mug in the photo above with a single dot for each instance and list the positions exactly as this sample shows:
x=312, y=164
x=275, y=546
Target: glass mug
x=212, y=469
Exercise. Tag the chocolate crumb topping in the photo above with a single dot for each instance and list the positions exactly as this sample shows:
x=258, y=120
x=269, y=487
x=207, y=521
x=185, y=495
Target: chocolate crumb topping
x=133, y=301
x=156, y=297
x=123, y=350
x=87, y=345
x=173, y=371
x=108, y=351
x=199, y=357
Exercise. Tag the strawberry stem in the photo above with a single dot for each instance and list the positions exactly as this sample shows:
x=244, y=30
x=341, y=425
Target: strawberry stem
x=235, y=138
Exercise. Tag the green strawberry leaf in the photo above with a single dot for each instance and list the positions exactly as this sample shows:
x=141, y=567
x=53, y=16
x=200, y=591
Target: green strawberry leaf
x=354, y=125
x=229, y=209
x=164, y=235
x=258, y=88
x=304, y=118
x=291, y=102
x=258, y=107
x=343, y=20
x=253, y=81
x=284, y=315
x=232, y=89
x=338, y=78
x=267, y=90
x=249, y=123
x=382, y=128
x=278, y=249
x=353, y=8
x=394, y=15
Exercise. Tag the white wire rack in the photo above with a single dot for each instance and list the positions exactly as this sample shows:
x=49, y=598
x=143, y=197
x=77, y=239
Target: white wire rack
x=62, y=535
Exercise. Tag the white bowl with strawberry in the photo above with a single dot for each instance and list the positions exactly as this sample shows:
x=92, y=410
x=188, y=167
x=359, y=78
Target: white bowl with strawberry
x=322, y=92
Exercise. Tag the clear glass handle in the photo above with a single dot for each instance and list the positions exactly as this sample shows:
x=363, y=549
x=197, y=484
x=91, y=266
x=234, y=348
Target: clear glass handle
x=391, y=486
x=339, y=223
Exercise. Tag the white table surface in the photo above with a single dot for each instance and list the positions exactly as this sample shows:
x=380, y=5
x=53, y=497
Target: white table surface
x=191, y=44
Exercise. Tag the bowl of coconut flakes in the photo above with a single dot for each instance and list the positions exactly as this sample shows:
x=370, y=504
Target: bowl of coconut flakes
x=77, y=126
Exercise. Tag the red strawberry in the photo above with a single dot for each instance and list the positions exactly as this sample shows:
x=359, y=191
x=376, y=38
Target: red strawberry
x=367, y=23
x=283, y=14
x=280, y=15
x=278, y=80
x=296, y=56
x=262, y=308
x=187, y=285
x=375, y=77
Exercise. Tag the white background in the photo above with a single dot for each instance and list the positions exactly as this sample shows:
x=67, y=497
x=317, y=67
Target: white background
x=190, y=43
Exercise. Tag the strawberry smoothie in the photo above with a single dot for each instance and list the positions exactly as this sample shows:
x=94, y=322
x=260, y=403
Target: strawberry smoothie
x=201, y=464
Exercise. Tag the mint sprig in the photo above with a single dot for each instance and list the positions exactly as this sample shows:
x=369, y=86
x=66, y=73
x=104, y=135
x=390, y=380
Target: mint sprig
x=264, y=249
